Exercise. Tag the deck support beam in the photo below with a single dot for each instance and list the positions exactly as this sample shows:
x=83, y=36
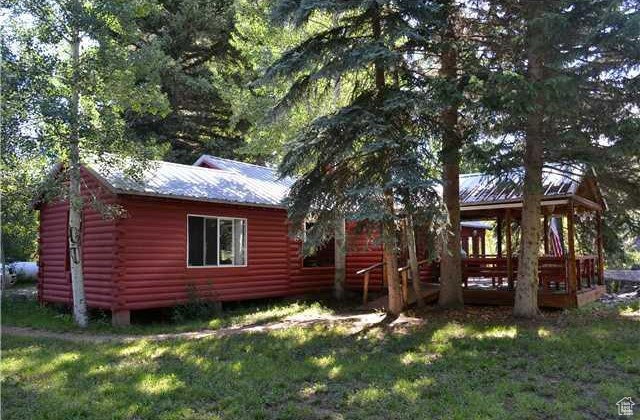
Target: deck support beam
x=600, y=246
x=499, y=236
x=545, y=232
x=572, y=281
x=509, y=250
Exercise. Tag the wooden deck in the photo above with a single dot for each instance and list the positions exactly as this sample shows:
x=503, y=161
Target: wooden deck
x=500, y=297
x=429, y=294
x=545, y=299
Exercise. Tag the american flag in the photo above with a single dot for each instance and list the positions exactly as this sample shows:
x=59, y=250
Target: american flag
x=555, y=236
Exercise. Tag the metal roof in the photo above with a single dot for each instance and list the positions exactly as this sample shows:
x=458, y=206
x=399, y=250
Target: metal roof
x=482, y=188
x=216, y=179
x=262, y=173
x=233, y=184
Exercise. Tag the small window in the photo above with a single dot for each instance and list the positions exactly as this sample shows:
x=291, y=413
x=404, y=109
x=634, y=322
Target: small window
x=322, y=255
x=216, y=241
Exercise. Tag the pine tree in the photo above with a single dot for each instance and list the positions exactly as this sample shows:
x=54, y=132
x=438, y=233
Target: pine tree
x=560, y=91
x=451, y=263
x=361, y=160
x=193, y=40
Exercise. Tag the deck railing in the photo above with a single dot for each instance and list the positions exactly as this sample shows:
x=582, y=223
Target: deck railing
x=587, y=271
x=404, y=272
x=367, y=274
x=404, y=278
x=553, y=271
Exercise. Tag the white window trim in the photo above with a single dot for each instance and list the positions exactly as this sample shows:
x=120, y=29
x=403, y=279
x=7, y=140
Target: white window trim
x=233, y=233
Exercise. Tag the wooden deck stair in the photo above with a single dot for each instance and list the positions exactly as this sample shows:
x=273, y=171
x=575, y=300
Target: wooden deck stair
x=430, y=293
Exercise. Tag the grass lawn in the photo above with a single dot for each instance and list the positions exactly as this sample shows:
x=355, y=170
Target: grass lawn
x=28, y=313
x=575, y=364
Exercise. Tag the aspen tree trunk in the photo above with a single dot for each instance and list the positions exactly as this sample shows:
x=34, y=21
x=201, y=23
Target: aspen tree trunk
x=526, y=299
x=340, y=257
x=413, y=261
x=75, y=195
x=451, y=265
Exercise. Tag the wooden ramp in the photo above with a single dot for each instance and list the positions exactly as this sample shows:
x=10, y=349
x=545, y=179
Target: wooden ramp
x=430, y=293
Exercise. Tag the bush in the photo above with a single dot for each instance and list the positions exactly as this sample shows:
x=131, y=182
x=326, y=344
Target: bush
x=198, y=306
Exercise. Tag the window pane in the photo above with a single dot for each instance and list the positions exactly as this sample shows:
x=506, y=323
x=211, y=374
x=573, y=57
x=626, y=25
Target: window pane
x=211, y=241
x=195, y=241
x=226, y=242
x=239, y=244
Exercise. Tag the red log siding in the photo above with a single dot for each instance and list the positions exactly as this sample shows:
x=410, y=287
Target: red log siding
x=53, y=281
x=153, y=254
x=362, y=253
x=99, y=244
x=139, y=261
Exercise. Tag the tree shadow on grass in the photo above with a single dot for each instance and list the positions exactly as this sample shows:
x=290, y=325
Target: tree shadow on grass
x=440, y=370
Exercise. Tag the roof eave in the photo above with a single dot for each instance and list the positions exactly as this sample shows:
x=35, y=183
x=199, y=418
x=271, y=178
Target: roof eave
x=469, y=206
x=199, y=199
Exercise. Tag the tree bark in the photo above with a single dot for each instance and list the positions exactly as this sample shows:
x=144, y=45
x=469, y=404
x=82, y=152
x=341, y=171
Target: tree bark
x=388, y=226
x=390, y=259
x=413, y=260
x=451, y=270
x=340, y=258
x=526, y=299
x=76, y=201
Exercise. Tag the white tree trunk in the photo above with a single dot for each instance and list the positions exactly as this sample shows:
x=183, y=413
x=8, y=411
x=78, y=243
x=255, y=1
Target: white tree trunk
x=75, y=195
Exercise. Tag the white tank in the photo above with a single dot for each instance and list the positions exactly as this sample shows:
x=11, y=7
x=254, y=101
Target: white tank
x=26, y=270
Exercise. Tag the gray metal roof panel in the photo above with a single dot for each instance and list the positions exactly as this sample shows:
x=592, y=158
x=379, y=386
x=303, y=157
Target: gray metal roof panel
x=482, y=188
x=263, y=173
x=243, y=183
x=193, y=182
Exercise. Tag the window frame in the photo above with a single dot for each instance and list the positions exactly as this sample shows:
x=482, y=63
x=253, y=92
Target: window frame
x=233, y=236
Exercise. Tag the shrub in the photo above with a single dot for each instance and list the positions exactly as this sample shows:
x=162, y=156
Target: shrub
x=198, y=305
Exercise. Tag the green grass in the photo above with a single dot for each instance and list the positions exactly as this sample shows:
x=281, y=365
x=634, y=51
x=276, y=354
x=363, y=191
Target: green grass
x=573, y=365
x=28, y=313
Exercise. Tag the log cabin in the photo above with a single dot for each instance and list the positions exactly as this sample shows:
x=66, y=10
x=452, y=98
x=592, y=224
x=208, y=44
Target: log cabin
x=219, y=228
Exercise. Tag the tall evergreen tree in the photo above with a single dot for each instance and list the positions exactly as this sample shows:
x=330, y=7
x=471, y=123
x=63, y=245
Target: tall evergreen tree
x=362, y=160
x=562, y=90
x=193, y=41
x=451, y=263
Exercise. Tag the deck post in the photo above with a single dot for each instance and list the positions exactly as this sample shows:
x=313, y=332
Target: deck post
x=600, y=249
x=545, y=230
x=483, y=245
x=499, y=236
x=509, y=250
x=475, y=245
x=365, y=290
x=405, y=287
x=572, y=268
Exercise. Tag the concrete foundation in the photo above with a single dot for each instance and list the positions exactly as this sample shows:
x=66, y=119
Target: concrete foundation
x=120, y=318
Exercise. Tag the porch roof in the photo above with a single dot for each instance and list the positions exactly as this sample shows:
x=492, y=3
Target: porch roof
x=489, y=192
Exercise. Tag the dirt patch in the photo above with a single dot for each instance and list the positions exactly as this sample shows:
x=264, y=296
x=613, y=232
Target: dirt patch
x=353, y=324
